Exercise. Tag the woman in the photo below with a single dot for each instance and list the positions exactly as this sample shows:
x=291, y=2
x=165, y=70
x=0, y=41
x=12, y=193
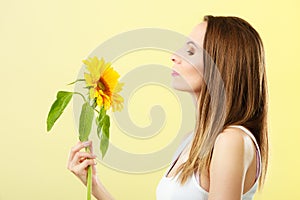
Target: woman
x=226, y=156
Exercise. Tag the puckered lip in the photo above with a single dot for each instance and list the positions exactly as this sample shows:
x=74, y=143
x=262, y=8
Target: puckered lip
x=174, y=73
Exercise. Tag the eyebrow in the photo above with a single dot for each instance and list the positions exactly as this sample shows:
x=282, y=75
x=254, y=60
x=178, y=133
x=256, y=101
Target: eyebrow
x=193, y=43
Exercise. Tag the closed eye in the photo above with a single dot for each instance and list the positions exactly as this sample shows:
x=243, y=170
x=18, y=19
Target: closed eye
x=190, y=52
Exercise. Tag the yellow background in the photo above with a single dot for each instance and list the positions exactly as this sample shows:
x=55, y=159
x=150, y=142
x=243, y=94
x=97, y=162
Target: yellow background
x=42, y=44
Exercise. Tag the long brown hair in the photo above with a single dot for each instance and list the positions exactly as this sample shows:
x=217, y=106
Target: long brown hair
x=234, y=93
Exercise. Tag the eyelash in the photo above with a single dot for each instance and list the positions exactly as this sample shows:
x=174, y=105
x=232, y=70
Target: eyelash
x=190, y=52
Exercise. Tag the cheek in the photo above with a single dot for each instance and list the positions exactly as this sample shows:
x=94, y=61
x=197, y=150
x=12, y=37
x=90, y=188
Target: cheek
x=193, y=76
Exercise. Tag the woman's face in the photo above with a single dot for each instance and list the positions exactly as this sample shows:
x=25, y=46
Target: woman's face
x=188, y=62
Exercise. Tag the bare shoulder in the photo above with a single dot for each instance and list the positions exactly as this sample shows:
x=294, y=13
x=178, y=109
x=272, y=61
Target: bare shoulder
x=229, y=146
x=230, y=136
x=232, y=156
x=235, y=142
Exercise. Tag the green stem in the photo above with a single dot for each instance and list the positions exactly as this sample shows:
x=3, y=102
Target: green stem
x=96, y=110
x=89, y=179
x=76, y=81
x=86, y=101
x=80, y=95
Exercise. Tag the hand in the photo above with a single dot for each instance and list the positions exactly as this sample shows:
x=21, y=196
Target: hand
x=79, y=161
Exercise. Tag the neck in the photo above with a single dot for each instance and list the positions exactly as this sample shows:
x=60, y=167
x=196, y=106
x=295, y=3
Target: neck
x=195, y=96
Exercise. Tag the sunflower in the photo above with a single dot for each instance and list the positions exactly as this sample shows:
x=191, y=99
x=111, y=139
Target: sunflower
x=103, y=84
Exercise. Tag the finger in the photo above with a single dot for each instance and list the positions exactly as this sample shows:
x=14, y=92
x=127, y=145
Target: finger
x=94, y=170
x=82, y=166
x=83, y=155
x=77, y=148
x=80, y=157
x=71, y=155
x=91, y=148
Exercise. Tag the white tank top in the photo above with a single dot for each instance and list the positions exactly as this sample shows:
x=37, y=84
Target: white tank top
x=170, y=189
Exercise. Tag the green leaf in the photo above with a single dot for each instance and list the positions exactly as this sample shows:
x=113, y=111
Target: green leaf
x=57, y=108
x=104, y=145
x=98, y=127
x=99, y=120
x=105, y=125
x=85, y=121
x=102, y=112
x=105, y=135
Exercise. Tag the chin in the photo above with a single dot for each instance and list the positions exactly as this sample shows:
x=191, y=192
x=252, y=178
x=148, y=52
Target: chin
x=180, y=87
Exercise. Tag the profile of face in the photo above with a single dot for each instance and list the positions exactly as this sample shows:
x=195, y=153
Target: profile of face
x=188, y=62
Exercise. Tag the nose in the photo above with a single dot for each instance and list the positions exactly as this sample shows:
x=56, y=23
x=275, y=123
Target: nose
x=175, y=58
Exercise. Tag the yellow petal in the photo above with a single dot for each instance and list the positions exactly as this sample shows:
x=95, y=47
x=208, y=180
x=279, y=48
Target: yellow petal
x=99, y=101
x=117, y=98
x=92, y=64
x=88, y=79
x=117, y=107
x=103, y=67
x=110, y=76
x=94, y=67
x=117, y=102
x=106, y=100
x=86, y=62
x=104, y=95
x=100, y=66
x=106, y=103
x=119, y=87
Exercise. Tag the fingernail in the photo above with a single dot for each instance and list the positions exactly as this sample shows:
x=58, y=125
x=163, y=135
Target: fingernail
x=95, y=163
x=87, y=143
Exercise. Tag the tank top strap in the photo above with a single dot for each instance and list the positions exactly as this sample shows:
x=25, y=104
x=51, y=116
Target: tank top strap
x=183, y=144
x=258, y=155
x=179, y=150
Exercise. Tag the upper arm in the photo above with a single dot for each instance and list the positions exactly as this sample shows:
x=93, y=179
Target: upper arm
x=228, y=167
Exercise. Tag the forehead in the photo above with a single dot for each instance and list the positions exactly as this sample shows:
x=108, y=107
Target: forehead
x=198, y=33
